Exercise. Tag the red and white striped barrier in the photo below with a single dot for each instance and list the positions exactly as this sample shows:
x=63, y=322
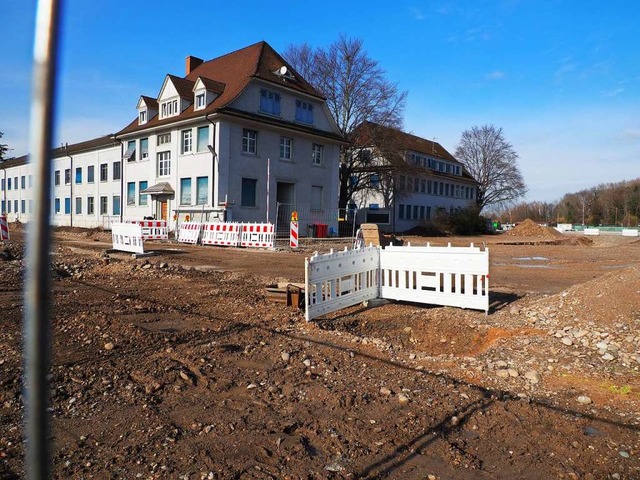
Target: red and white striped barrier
x=261, y=235
x=189, y=232
x=293, y=235
x=4, y=228
x=221, y=234
x=152, y=229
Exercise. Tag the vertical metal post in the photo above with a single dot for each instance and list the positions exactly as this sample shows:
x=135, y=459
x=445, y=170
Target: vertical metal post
x=36, y=319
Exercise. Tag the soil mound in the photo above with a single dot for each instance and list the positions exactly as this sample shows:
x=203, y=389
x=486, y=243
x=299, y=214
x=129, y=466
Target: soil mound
x=529, y=228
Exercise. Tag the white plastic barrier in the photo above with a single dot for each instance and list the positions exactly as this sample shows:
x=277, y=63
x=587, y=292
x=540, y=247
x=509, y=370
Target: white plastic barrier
x=221, y=234
x=152, y=229
x=189, y=232
x=339, y=280
x=630, y=232
x=261, y=235
x=127, y=237
x=592, y=231
x=450, y=276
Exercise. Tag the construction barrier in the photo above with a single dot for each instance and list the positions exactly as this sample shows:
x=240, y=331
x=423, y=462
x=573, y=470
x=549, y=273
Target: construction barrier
x=127, y=237
x=4, y=228
x=591, y=231
x=261, y=235
x=630, y=232
x=339, y=280
x=189, y=232
x=152, y=229
x=221, y=234
x=449, y=276
x=293, y=235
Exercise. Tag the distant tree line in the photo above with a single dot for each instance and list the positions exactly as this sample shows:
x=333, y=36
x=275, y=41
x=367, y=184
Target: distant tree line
x=606, y=204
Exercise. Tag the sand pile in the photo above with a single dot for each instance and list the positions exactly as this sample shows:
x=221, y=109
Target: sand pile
x=529, y=228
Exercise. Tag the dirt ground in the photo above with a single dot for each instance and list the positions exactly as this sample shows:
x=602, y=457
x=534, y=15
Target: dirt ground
x=189, y=365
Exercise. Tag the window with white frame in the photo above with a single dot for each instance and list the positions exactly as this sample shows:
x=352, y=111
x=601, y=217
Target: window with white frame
x=56, y=178
x=201, y=100
x=90, y=206
x=316, y=154
x=142, y=117
x=116, y=204
x=285, y=148
x=104, y=204
x=187, y=141
x=249, y=141
x=104, y=172
x=144, y=149
x=116, y=171
x=67, y=177
x=170, y=108
x=203, y=138
x=164, y=164
x=202, y=190
x=163, y=138
x=185, y=191
x=269, y=102
x=142, y=197
x=304, y=112
x=131, y=193
x=78, y=205
x=91, y=174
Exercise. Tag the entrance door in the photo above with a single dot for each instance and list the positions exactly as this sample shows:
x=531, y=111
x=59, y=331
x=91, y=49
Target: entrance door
x=285, y=192
x=164, y=210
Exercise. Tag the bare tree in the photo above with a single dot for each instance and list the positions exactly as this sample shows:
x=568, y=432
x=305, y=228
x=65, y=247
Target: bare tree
x=492, y=161
x=357, y=91
x=3, y=149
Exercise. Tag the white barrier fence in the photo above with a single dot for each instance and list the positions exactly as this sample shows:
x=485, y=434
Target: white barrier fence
x=591, y=231
x=152, y=229
x=127, y=237
x=221, y=234
x=630, y=232
x=261, y=235
x=339, y=280
x=450, y=276
x=189, y=232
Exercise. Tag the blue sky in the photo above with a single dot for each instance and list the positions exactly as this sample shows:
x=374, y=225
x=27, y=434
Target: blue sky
x=562, y=78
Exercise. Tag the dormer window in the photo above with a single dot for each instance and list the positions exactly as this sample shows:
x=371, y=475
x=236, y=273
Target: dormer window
x=304, y=112
x=269, y=102
x=170, y=108
x=142, y=117
x=201, y=100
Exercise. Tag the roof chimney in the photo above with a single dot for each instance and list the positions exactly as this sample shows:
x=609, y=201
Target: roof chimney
x=192, y=63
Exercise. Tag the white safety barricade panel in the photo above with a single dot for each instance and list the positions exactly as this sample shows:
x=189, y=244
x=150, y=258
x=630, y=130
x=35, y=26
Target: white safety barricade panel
x=592, y=231
x=127, y=237
x=189, y=232
x=450, y=276
x=153, y=229
x=339, y=280
x=630, y=232
x=222, y=234
x=261, y=235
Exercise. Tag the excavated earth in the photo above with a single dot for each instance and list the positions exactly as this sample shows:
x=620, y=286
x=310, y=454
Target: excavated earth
x=190, y=365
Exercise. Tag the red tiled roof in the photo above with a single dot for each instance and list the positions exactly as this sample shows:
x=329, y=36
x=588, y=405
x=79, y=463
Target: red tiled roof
x=212, y=85
x=183, y=86
x=234, y=71
x=150, y=102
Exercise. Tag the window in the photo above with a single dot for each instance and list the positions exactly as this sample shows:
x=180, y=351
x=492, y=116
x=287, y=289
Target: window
x=187, y=141
x=15, y=185
x=91, y=174
x=249, y=141
x=164, y=138
x=428, y=213
x=446, y=189
x=116, y=170
x=304, y=112
x=441, y=188
x=78, y=205
x=144, y=149
x=285, y=148
x=269, y=102
x=401, y=211
x=203, y=139
x=56, y=205
x=316, y=197
x=421, y=212
x=185, y=191
x=8, y=206
x=2, y=185
x=23, y=183
x=116, y=204
x=200, y=100
x=170, y=108
x=8, y=184
x=131, y=193
x=78, y=175
x=142, y=117
x=142, y=197
x=130, y=154
x=104, y=202
x=67, y=177
x=202, y=190
x=67, y=205
x=416, y=184
x=429, y=186
x=30, y=181
x=374, y=180
x=90, y=206
x=23, y=206
x=316, y=154
x=415, y=212
x=104, y=172
x=248, y=192
x=164, y=164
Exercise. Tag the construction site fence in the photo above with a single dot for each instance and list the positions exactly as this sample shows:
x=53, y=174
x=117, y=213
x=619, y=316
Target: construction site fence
x=315, y=222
